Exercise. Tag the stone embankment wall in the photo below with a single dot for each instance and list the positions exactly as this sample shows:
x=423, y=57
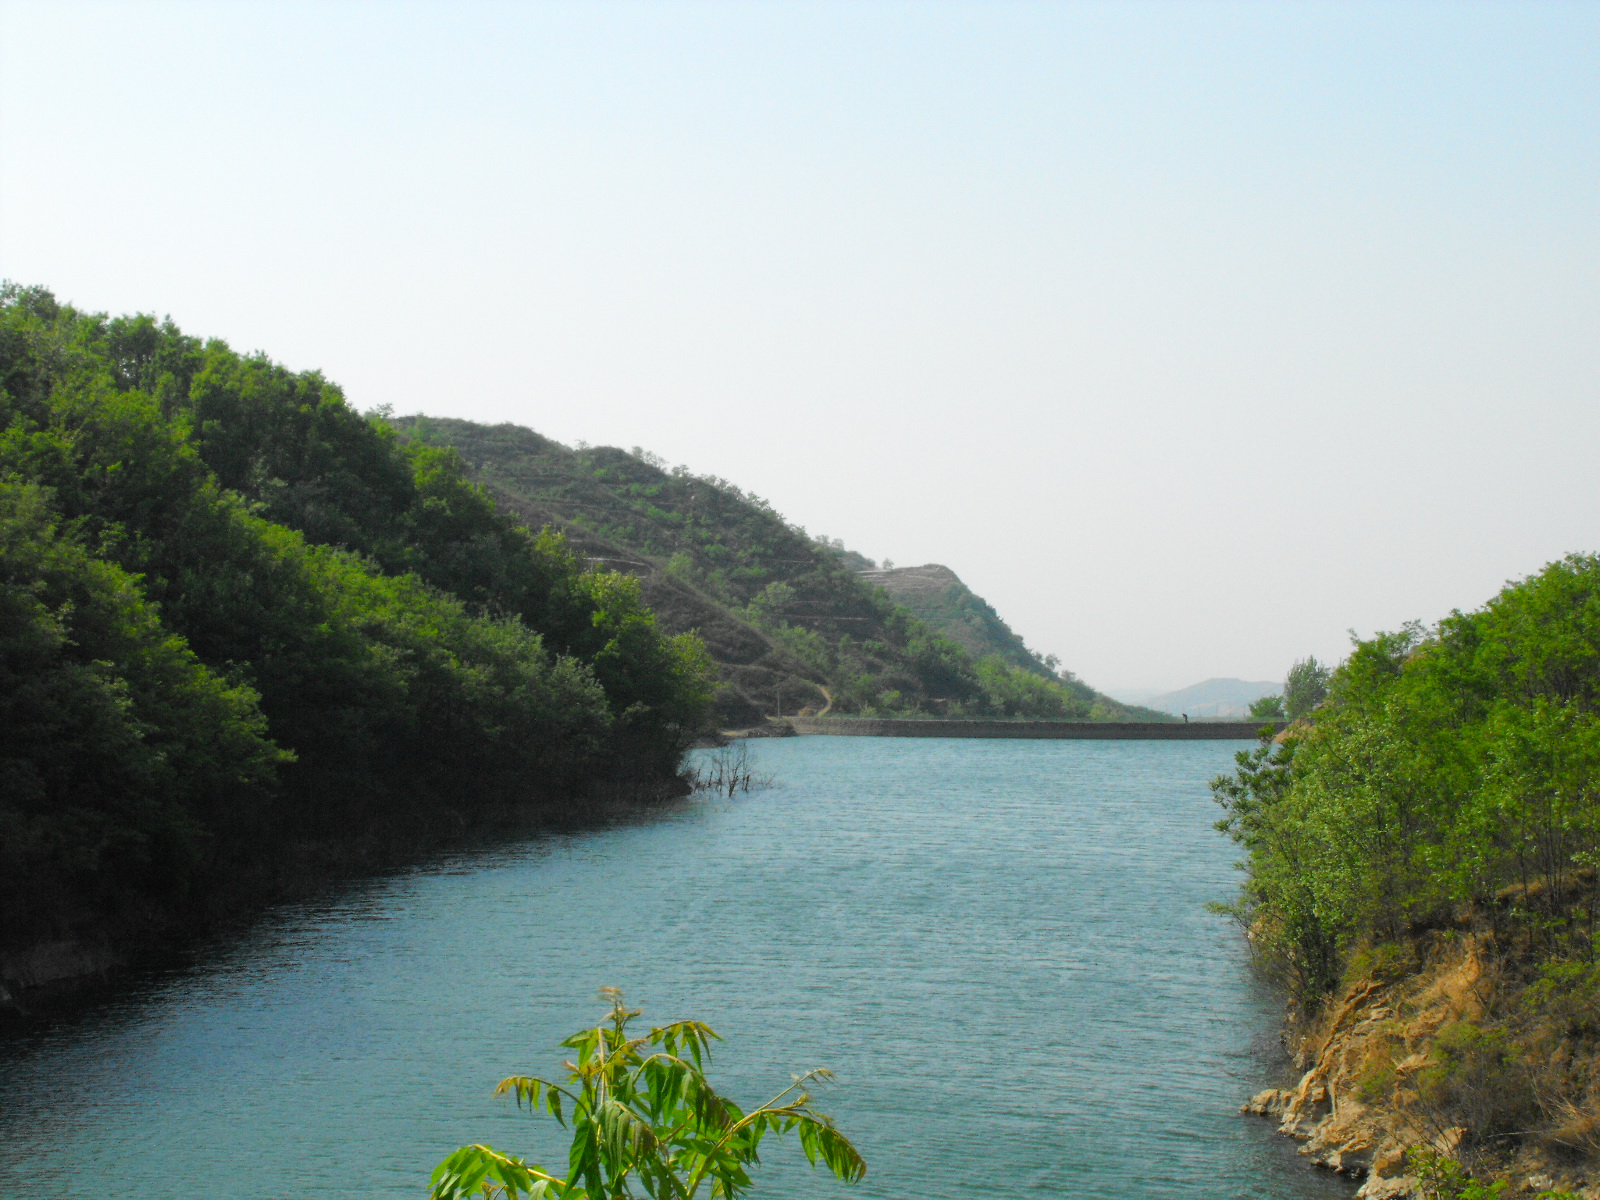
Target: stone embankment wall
x=1176, y=731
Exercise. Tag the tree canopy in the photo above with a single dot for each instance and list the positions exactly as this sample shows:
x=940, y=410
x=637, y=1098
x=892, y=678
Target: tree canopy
x=234, y=612
x=1446, y=793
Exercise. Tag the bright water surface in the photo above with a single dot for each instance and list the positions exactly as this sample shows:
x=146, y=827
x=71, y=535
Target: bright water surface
x=1001, y=947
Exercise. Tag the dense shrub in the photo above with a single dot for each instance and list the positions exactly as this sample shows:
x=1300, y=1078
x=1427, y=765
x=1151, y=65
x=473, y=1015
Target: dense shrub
x=1449, y=769
x=1446, y=795
x=238, y=613
x=124, y=760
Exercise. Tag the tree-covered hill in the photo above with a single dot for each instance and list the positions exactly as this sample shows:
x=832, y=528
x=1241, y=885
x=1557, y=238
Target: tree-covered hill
x=240, y=624
x=1422, y=851
x=936, y=595
x=789, y=618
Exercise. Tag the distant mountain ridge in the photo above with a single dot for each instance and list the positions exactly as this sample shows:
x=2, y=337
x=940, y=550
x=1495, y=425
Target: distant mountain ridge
x=792, y=621
x=1214, y=699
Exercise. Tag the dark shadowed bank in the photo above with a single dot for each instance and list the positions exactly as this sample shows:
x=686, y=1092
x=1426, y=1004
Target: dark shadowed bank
x=249, y=640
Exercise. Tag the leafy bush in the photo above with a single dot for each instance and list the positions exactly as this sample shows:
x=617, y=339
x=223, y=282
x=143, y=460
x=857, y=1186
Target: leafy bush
x=1567, y=993
x=644, y=1116
x=1447, y=768
x=1267, y=708
x=1443, y=1178
x=1478, y=1077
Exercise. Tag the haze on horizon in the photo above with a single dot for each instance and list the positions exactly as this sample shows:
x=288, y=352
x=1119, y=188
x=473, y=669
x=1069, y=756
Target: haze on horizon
x=1191, y=336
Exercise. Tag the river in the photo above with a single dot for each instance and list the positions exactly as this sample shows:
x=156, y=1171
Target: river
x=1001, y=947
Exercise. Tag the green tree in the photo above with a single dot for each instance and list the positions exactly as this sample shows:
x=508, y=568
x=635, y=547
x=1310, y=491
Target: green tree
x=235, y=615
x=645, y=1119
x=150, y=442
x=1450, y=770
x=1011, y=691
x=1305, y=687
x=1268, y=708
x=126, y=765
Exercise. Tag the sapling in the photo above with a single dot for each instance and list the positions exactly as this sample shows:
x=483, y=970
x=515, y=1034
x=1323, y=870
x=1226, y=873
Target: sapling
x=645, y=1122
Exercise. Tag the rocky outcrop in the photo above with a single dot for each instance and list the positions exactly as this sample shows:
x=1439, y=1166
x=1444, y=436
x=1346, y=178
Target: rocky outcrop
x=1354, y=1109
x=1345, y=1136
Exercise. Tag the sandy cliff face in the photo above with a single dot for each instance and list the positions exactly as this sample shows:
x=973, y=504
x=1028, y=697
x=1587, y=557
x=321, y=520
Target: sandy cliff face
x=1363, y=1100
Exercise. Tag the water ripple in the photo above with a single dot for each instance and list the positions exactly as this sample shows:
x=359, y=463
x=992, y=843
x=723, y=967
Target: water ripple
x=1001, y=947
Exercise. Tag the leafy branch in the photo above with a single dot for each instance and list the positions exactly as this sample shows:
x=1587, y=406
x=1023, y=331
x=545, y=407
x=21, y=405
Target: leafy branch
x=643, y=1116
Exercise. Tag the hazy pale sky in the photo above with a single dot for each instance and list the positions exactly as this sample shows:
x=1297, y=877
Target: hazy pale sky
x=1190, y=335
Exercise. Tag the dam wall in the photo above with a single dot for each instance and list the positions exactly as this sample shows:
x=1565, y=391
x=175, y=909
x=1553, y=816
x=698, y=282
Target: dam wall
x=1169, y=731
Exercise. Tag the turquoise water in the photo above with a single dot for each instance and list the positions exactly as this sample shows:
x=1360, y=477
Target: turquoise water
x=1001, y=947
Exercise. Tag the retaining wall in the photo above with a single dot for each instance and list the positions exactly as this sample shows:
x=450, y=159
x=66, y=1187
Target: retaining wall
x=1173, y=731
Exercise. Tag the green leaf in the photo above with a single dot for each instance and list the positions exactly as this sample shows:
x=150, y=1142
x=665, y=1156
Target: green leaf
x=647, y=1121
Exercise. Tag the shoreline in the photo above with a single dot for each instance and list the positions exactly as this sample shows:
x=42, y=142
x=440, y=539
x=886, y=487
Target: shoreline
x=42, y=979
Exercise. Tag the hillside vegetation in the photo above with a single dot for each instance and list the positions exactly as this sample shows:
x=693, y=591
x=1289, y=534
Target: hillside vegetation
x=934, y=594
x=790, y=619
x=1422, y=857
x=241, y=624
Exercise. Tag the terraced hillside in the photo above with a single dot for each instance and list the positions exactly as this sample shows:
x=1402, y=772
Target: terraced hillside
x=789, y=622
x=936, y=595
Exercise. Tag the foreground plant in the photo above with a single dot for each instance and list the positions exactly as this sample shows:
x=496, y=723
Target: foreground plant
x=1443, y=1178
x=643, y=1117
